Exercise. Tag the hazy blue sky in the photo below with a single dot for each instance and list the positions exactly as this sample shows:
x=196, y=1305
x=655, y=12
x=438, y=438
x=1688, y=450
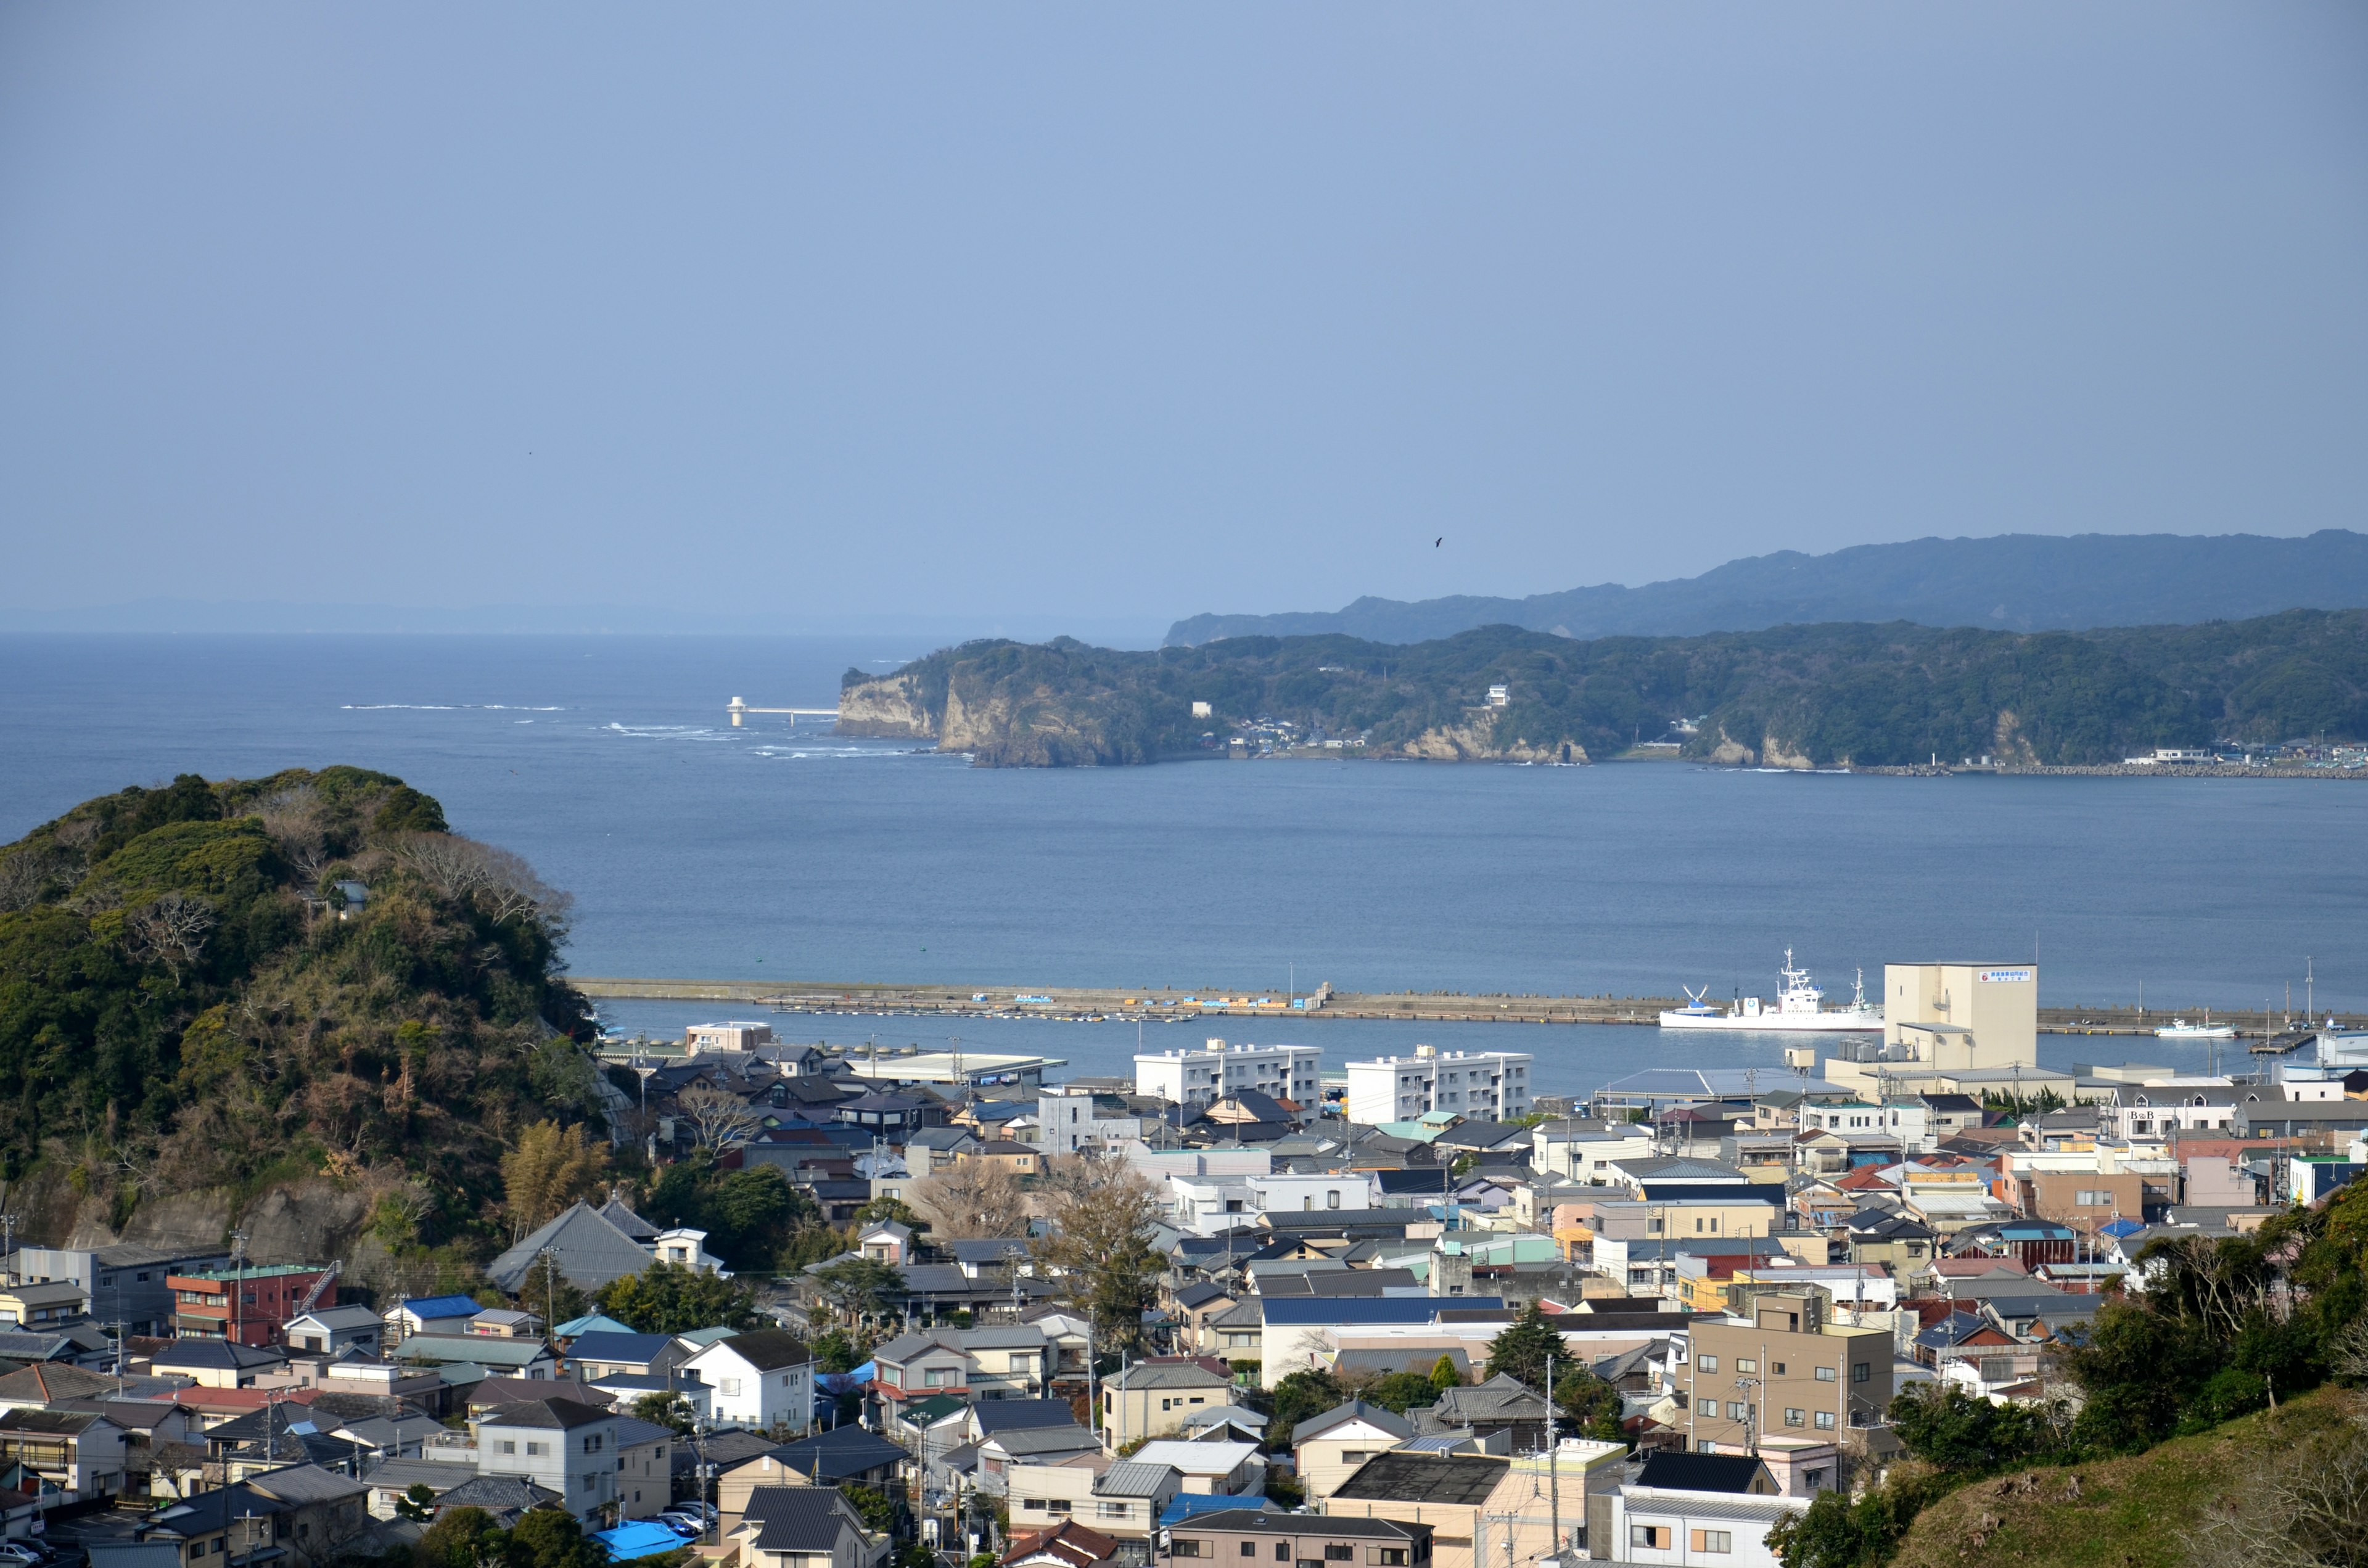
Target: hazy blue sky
x=1125, y=310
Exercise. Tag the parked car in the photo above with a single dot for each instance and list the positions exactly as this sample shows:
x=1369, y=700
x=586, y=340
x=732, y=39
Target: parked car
x=683, y=1525
x=693, y=1508
x=23, y=1554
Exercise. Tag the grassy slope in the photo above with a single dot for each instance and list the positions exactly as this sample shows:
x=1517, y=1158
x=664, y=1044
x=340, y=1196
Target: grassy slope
x=2131, y=1513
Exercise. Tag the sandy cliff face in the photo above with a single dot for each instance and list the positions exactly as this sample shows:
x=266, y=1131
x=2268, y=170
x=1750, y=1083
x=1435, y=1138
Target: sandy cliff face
x=1475, y=739
x=888, y=707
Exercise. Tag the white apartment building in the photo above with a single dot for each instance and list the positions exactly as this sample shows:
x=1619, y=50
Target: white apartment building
x=1069, y=1120
x=1479, y=1085
x=1210, y=1206
x=1291, y=1194
x=1205, y=1077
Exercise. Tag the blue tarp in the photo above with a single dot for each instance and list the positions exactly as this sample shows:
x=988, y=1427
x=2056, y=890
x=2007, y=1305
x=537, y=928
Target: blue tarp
x=638, y=1539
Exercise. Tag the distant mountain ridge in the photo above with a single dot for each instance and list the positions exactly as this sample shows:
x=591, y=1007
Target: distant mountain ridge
x=2008, y=583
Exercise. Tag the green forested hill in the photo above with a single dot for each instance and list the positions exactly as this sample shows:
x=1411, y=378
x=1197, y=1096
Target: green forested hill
x=1873, y=695
x=187, y=999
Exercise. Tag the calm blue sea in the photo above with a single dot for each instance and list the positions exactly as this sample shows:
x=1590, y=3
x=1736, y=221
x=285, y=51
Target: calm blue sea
x=694, y=849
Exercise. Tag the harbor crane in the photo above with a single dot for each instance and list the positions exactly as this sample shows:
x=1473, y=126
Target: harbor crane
x=739, y=711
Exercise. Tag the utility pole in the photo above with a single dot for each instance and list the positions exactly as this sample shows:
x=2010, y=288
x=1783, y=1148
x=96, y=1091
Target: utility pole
x=8, y=1244
x=549, y=1289
x=237, y=1291
x=1553, y=1461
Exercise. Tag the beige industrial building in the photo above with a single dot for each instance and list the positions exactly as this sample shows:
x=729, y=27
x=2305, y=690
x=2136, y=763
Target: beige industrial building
x=1962, y=1017
x=1953, y=1028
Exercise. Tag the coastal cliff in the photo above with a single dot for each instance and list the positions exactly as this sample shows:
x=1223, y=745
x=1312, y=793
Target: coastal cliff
x=1797, y=696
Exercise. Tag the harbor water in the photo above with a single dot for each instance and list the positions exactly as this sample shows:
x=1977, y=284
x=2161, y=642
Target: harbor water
x=695, y=850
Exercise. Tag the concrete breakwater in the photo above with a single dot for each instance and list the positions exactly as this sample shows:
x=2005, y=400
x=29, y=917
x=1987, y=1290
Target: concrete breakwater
x=1214, y=1002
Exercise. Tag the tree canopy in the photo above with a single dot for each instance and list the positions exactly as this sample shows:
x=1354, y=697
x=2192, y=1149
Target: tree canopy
x=667, y=1298
x=189, y=995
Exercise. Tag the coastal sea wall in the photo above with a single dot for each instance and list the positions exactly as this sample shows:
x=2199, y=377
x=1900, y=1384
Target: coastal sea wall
x=1216, y=1003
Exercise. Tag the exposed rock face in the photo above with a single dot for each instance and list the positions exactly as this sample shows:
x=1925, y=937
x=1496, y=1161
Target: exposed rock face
x=305, y=1222
x=1475, y=740
x=1773, y=754
x=2008, y=746
x=889, y=708
x=998, y=723
x=1732, y=752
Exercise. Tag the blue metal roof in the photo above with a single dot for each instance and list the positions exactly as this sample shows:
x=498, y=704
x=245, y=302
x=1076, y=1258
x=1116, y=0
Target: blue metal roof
x=432, y=1307
x=1303, y=1311
x=1184, y=1505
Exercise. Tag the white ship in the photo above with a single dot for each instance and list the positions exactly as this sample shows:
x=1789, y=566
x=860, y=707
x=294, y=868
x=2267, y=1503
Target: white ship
x=2179, y=1028
x=1800, y=1008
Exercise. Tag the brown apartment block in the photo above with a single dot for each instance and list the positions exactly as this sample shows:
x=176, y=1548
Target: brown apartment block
x=2082, y=1200
x=1786, y=1373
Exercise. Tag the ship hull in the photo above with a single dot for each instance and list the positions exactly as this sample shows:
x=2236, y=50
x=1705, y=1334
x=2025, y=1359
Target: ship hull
x=1776, y=1023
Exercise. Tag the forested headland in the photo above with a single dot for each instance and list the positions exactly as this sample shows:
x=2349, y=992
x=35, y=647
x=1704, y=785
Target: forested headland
x=1847, y=693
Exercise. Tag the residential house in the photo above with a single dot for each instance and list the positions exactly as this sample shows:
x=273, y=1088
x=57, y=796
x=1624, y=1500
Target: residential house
x=41, y=1308
x=1898, y=1241
x=1328, y=1448
x=683, y=1248
x=587, y=1247
x=644, y=1466
x=762, y=1380
x=886, y=1241
x=78, y=1451
x=1502, y=1405
x=505, y=1323
x=391, y=1479
x=1217, y=1466
x=1010, y=1154
x=215, y=1363
x=932, y=1149
x=1065, y=1545
x=505, y=1498
x=300, y=1515
x=596, y=1355
x=1694, y=1508
x=568, y=1448
x=806, y=1527
x=892, y=1116
x=840, y=1456
x=1580, y=1150
x=1036, y=1494
x=1001, y=1453
x=1151, y=1398
x=529, y=1358
x=1128, y=1497
x=334, y=1329
x=432, y=1314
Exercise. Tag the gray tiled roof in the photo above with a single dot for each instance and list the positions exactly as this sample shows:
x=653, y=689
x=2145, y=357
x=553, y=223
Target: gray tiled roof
x=1355, y=1410
x=797, y=1518
x=1019, y=1441
x=1168, y=1375
x=590, y=1250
